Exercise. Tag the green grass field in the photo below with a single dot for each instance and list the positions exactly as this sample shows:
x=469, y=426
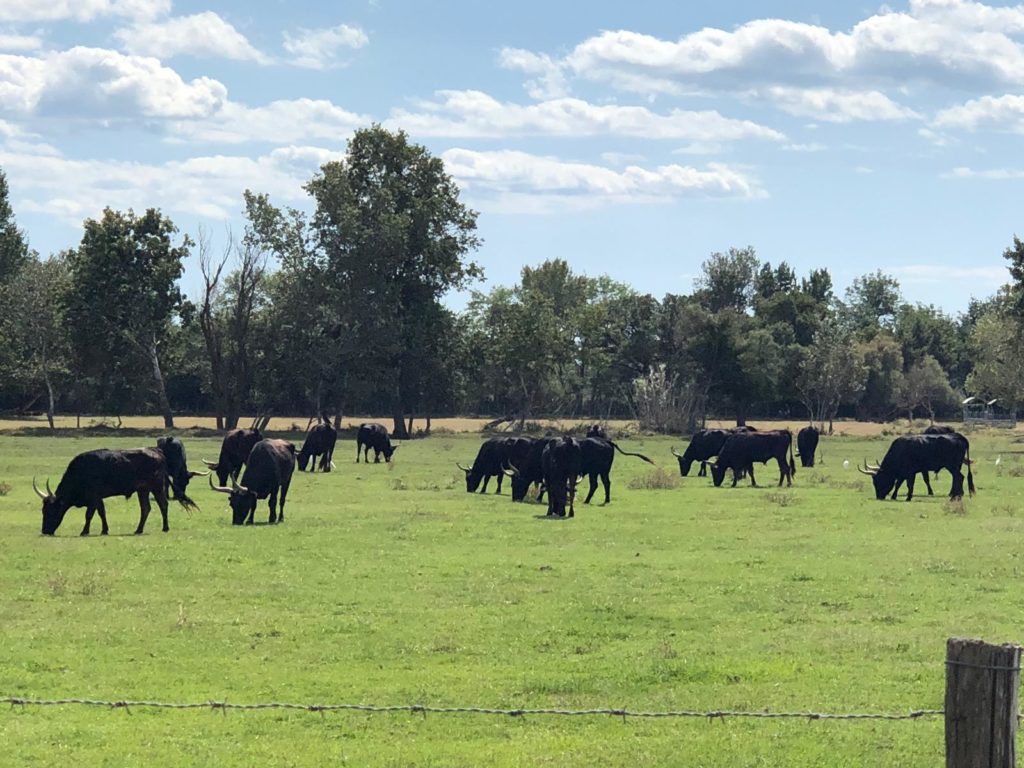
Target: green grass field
x=392, y=585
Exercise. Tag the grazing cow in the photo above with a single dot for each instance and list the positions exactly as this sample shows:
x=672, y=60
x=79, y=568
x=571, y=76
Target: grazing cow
x=939, y=429
x=319, y=444
x=374, y=436
x=178, y=473
x=597, y=457
x=704, y=445
x=234, y=450
x=807, y=445
x=492, y=460
x=529, y=471
x=562, y=461
x=268, y=471
x=94, y=476
x=742, y=449
x=910, y=455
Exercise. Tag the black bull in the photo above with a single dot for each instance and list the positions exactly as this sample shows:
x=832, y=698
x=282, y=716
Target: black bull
x=93, y=476
x=318, y=448
x=234, y=450
x=912, y=454
x=742, y=450
x=807, y=445
x=704, y=445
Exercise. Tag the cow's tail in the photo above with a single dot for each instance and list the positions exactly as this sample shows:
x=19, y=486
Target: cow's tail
x=970, y=475
x=626, y=453
x=792, y=463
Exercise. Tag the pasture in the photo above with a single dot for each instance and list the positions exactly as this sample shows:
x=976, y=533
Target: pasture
x=392, y=585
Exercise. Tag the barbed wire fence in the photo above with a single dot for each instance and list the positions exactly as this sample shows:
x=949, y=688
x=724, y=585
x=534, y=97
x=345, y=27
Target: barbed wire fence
x=423, y=709
x=981, y=707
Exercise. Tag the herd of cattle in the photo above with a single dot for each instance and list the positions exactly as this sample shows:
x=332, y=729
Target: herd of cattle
x=553, y=464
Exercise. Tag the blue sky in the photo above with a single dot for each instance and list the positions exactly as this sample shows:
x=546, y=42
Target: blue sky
x=631, y=139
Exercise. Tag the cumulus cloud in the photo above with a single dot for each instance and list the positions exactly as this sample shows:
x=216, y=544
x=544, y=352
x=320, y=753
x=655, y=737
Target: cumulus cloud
x=473, y=114
x=511, y=180
x=12, y=41
x=836, y=105
x=208, y=186
x=81, y=10
x=1003, y=113
x=289, y=120
x=201, y=34
x=323, y=48
x=95, y=83
x=549, y=80
x=992, y=174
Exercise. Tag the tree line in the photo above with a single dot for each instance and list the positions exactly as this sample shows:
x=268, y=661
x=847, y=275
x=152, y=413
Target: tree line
x=341, y=310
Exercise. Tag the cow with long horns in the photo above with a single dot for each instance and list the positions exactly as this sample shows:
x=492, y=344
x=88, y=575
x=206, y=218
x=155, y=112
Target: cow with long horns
x=268, y=472
x=743, y=449
x=178, y=473
x=562, y=461
x=911, y=455
x=704, y=445
x=234, y=450
x=807, y=445
x=93, y=476
x=495, y=458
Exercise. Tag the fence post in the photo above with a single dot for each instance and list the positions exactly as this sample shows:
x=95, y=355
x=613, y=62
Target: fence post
x=982, y=683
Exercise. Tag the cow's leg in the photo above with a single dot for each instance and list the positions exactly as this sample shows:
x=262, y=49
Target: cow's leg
x=103, y=516
x=928, y=485
x=753, y=481
x=143, y=512
x=161, y=502
x=501, y=476
x=540, y=492
x=703, y=469
x=487, y=479
x=280, y=509
x=735, y=477
x=956, y=491
x=89, y=509
x=572, y=497
x=376, y=456
x=359, y=447
x=910, y=488
x=593, y=487
x=272, y=503
x=896, y=489
x=606, y=480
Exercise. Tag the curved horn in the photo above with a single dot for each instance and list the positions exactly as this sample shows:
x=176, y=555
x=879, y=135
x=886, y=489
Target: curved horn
x=867, y=470
x=39, y=493
x=198, y=474
x=219, y=488
x=511, y=471
x=238, y=488
x=210, y=464
x=464, y=469
x=48, y=487
x=676, y=453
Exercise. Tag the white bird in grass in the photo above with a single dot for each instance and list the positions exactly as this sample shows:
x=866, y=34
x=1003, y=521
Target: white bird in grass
x=846, y=464
x=999, y=459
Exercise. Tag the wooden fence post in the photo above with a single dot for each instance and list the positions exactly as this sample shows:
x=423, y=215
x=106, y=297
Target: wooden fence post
x=982, y=683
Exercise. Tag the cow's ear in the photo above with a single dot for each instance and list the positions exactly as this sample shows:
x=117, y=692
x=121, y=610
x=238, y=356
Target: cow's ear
x=162, y=441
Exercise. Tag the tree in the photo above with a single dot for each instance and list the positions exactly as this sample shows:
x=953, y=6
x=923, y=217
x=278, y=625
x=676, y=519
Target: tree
x=122, y=295
x=818, y=285
x=14, y=252
x=1014, y=254
x=831, y=373
x=997, y=349
x=927, y=331
x=392, y=238
x=227, y=317
x=871, y=302
x=925, y=385
x=727, y=279
x=883, y=360
x=34, y=356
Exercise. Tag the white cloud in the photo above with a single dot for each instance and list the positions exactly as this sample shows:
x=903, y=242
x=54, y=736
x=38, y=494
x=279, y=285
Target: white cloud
x=993, y=276
x=836, y=106
x=550, y=81
x=1003, y=113
x=531, y=183
x=473, y=114
x=202, y=34
x=323, y=48
x=81, y=10
x=285, y=121
x=12, y=41
x=95, y=83
x=810, y=147
x=993, y=174
x=202, y=186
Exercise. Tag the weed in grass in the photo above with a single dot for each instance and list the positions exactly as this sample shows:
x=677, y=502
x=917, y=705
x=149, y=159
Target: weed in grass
x=58, y=584
x=779, y=498
x=955, y=507
x=398, y=484
x=5, y=488
x=658, y=479
x=183, y=620
x=1015, y=471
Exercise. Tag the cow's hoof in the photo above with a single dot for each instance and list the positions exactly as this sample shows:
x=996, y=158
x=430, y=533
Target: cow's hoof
x=104, y=532
x=166, y=529
x=84, y=533
x=138, y=533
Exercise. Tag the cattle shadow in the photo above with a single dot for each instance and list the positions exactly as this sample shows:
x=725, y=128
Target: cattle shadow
x=551, y=517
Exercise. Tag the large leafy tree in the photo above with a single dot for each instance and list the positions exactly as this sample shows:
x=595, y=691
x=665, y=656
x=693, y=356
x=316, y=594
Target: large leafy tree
x=34, y=355
x=14, y=252
x=392, y=238
x=122, y=294
x=832, y=373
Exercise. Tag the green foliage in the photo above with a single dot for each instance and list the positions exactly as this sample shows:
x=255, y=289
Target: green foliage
x=925, y=385
x=871, y=303
x=831, y=373
x=14, y=251
x=997, y=349
x=727, y=280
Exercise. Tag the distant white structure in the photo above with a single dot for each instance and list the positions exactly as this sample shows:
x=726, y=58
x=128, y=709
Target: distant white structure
x=988, y=414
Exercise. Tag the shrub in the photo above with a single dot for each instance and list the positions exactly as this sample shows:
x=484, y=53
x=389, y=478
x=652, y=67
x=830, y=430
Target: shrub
x=656, y=480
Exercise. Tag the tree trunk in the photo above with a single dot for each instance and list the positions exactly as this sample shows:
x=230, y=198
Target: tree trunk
x=50, y=402
x=427, y=431
x=398, y=430
x=161, y=390
x=409, y=430
x=220, y=423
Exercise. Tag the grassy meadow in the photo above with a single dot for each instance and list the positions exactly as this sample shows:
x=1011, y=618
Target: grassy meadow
x=392, y=585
